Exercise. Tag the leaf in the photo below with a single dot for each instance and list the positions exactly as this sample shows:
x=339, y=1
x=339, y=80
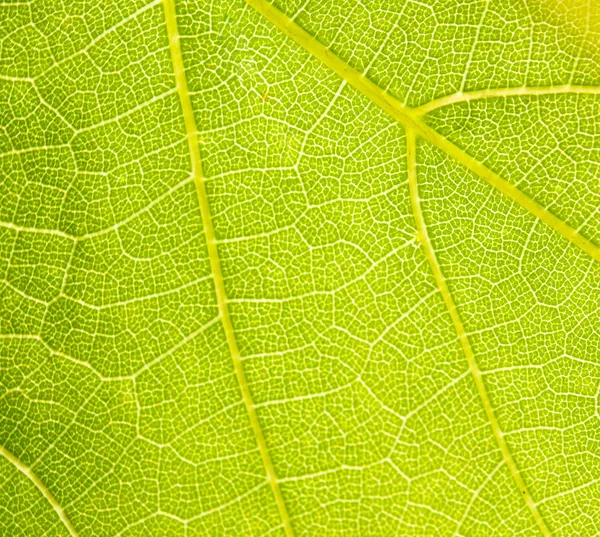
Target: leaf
x=312, y=268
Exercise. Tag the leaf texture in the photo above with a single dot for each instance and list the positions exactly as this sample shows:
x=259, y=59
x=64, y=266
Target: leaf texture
x=306, y=268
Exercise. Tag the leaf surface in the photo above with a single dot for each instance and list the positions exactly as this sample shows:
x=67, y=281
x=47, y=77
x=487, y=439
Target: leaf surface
x=311, y=268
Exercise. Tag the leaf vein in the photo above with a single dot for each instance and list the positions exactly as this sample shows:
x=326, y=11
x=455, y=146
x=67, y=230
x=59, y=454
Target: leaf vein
x=410, y=119
x=494, y=93
x=461, y=332
x=41, y=487
x=214, y=260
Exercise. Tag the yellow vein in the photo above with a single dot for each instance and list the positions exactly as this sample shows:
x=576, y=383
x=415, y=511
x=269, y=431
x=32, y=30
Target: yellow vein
x=460, y=330
x=41, y=487
x=408, y=118
x=523, y=91
x=213, y=255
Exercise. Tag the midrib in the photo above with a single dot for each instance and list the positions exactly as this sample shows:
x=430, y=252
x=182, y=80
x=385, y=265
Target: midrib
x=423, y=236
x=25, y=470
x=410, y=118
x=213, y=255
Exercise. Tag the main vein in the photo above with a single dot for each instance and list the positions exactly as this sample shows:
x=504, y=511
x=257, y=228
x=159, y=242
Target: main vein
x=460, y=330
x=213, y=255
x=411, y=119
x=41, y=487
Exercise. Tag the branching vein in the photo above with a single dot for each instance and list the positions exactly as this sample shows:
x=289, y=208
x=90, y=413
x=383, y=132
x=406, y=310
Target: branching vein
x=460, y=330
x=410, y=118
x=523, y=91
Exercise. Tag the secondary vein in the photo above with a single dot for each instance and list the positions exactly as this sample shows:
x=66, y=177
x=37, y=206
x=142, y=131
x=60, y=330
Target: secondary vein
x=494, y=93
x=410, y=118
x=25, y=470
x=214, y=260
x=460, y=330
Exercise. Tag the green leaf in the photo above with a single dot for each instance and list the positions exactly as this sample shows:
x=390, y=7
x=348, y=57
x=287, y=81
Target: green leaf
x=313, y=268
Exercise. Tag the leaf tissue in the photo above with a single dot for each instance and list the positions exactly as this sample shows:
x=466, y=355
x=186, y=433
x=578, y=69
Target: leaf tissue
x=302, y=268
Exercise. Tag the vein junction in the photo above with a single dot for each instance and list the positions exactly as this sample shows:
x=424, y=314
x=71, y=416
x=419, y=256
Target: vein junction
x=411, y=118
x=213, y=255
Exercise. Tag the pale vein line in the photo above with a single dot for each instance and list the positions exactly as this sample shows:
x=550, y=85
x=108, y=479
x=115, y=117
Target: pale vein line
x=460, y=330
x=523, y=91
x=213, y=255
x=409, y=119
x=41, y=487
x=23, y=229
